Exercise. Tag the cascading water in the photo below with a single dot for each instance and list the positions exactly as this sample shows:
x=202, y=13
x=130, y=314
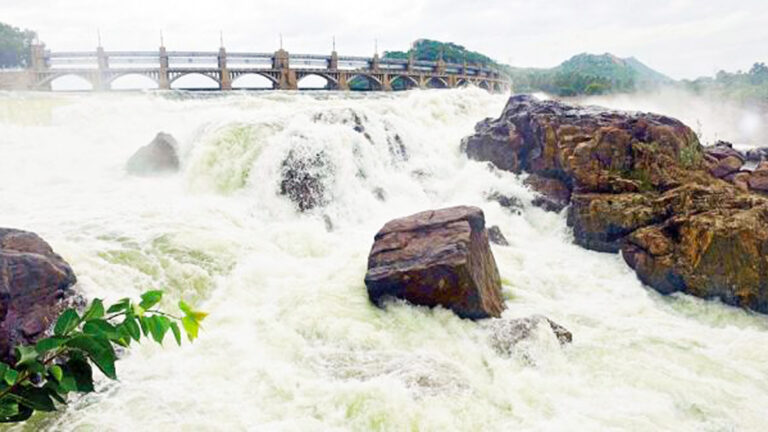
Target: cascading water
x=292, y=342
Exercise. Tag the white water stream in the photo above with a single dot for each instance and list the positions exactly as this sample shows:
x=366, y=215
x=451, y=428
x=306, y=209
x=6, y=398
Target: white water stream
x=292, y=342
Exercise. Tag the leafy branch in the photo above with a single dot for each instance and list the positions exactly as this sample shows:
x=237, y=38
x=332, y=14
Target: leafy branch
x=46, y=372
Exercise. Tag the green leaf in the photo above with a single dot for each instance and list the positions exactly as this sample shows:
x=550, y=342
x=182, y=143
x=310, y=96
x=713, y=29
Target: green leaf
x=176, y=332
x=133, y=328
x=144, y=325
x=121, y=306
x=49, y=344
x=95, y=311
x=150, y=298
x=78, y=375
x=11, y=375
x=99, y=350
x=56, y=372
x=68, y=320
x=158, y=327
x=124, y=338
x=26, y=354
x=99, y=327
x=191, y=327
x=24, y=413
x=8, y=407
x=34, y=397
x=185, y=307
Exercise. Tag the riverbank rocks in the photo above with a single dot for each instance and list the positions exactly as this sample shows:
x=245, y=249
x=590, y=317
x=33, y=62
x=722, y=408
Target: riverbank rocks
x=437, y=257
x=33, y=282
x=496, y=237
x=642, y=184
x=158, y=157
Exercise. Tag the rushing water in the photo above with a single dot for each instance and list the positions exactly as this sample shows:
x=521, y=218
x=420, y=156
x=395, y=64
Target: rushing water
x=292, y=342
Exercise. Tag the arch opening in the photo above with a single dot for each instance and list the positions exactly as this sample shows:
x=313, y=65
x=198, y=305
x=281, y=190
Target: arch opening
x=70, y=82
x=133, y=81
x=403, y=82
x=484, y=85
x=316, y=82
x=194, y=81
x=436, y=83
x=252, y=81
x=364, y=83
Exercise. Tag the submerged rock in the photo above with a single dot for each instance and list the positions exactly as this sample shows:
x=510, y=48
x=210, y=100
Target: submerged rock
x=304, y=177
x=505, y=333
x=643, y=185
x=34, y=281
x=157, y=157
x=496, y=237
x=437, y=257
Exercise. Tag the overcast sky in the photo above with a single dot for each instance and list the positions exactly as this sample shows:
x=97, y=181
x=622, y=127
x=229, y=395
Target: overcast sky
x=682, y=38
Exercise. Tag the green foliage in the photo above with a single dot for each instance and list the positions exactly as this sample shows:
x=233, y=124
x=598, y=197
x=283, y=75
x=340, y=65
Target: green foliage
x=45, y=373
x=431, y=50
x=588, y=74
x=15, y=46
x=746, y=87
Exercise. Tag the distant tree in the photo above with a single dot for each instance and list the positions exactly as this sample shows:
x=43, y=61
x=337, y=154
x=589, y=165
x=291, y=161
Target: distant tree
x=15, y=46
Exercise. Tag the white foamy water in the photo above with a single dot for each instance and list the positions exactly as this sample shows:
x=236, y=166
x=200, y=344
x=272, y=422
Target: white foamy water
x=292, y=342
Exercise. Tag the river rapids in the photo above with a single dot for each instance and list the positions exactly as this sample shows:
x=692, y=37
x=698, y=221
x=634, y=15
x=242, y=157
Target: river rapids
x=292, y=342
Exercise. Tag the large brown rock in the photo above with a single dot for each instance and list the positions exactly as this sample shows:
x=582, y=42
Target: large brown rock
x=157, y=157
x=33, y=282
x=643, y=185
x=437, y=257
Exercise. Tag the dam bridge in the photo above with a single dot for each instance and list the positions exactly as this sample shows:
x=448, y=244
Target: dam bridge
x=283, y=70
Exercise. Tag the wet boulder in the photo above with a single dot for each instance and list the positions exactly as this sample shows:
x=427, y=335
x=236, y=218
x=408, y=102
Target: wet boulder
x=34, y=281
x=496, y=237
x=304, y=177
x=641, y=184
x=158, y=157
x=437, y=257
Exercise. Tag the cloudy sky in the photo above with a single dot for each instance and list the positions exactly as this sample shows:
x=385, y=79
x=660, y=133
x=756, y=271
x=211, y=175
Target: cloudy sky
x=682, y=38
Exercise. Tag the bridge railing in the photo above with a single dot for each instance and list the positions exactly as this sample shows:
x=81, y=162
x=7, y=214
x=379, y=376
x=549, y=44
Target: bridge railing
x=119, y=60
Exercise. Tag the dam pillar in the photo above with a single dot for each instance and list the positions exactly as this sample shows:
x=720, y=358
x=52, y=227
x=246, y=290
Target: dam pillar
x=281, y=63
x=101, y=78
x=333, y=62
x=37, y=65
x=343, y=82
x=163, y=83
x=225, y=79
x=386, y=84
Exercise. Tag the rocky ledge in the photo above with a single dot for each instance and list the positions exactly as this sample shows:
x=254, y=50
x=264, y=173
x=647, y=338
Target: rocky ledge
x=641, y=184
x=34, y=281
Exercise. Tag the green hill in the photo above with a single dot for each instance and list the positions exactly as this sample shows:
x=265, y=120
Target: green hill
x=589, y=74
x=430, y=50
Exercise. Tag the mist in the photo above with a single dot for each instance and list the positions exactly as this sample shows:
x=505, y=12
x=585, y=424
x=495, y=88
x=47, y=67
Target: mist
x=713, y=118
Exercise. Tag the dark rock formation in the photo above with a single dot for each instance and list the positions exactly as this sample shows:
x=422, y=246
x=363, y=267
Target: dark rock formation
x=437, y=257
x=642, y=184
x=33, y=283
x=555, y=194
x=496, y=237
x=157, y=157
x=513, y=204
x=304, y=179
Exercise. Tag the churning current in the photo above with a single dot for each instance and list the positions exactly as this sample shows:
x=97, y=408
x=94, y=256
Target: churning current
x=292, y=342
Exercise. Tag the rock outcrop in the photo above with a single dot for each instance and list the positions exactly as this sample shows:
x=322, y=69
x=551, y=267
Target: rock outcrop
x=304, y=179
x=437, y=257
x=157, y=157
x=642, y=184
x=496, y=237
x=33, y=282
